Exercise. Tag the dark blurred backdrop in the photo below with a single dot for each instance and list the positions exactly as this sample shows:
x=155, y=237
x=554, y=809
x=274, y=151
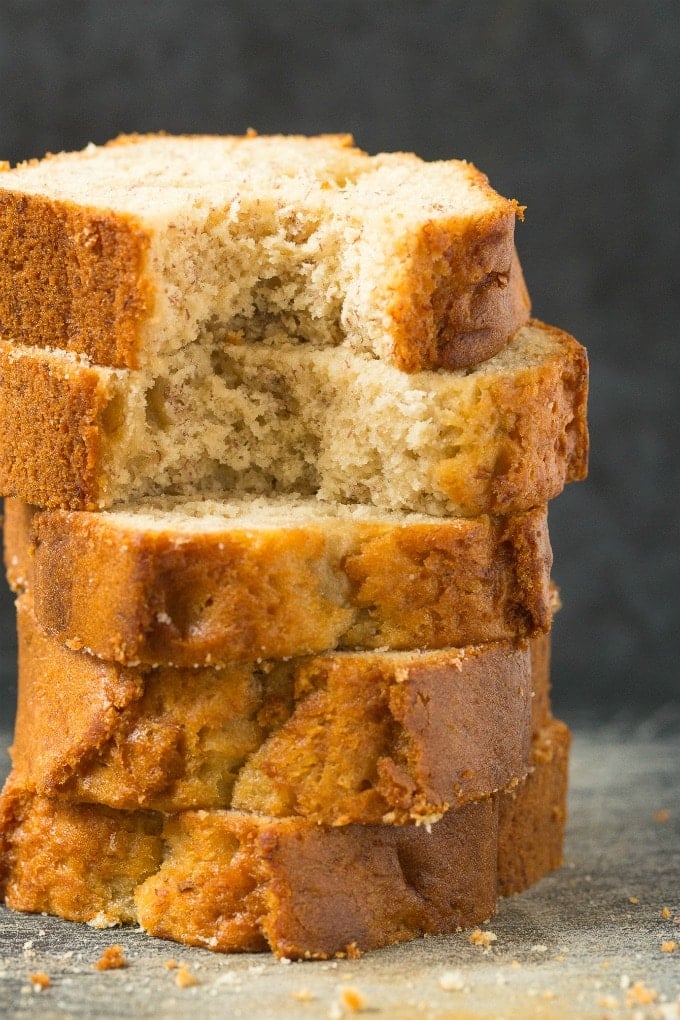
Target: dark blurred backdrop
x=571, y=108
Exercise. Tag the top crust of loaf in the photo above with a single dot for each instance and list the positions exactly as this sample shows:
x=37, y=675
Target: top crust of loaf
x=126, y=251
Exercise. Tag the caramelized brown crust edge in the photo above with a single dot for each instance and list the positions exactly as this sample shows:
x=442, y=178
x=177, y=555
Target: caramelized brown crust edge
x=336, y=738
x=231, y=883
x=193, y=599
x=72, y=278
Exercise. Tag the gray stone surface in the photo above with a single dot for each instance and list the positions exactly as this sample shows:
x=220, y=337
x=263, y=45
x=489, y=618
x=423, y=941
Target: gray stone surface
x=577, y=945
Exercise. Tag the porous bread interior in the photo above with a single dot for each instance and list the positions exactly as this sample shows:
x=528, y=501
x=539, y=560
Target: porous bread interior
x=313, y=230
x=322, y=423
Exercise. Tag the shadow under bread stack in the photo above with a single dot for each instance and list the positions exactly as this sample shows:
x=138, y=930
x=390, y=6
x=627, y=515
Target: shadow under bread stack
x=277, y=442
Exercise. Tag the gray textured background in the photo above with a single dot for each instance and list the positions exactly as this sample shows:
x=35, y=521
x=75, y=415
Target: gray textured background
x=571, y=108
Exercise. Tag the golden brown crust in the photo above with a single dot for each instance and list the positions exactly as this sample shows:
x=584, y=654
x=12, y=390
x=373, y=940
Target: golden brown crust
x=532, y=817
x=54, y=418
x=542, y=435
x=540, y=650
x=75, y=861
x=233, y=882
x=194, y=598
x=463, y=296
x=72, y=278
x=337, y=738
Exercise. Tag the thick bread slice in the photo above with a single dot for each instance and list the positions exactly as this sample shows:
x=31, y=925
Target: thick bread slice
x=126, y=252
x=189, y=584
x=393, y=737
x=500, y=438
x=233, y=882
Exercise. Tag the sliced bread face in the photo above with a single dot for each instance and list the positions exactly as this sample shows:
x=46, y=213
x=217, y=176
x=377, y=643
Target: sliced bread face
x=128, y=252
x=261, y=420
x=191, y=583
x=234, y=882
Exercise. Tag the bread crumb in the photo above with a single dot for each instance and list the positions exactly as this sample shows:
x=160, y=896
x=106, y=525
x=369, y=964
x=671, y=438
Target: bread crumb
x=482, y=938
x=170, y=964
x=184, y=978
x=669, y=946
x=662, y=816
x=633, y=899
x=302, y=995
x=40, y=981
x=665, y=913
x=113, y=958
x=451, y=981
x=353, y=951
x=640, y=995
x=352, y=999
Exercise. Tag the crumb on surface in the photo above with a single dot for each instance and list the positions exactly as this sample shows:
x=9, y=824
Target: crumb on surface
x=665, y=913
x=353, y=951
x=482, y=938
x=302, y=995
x=40, y=981
x=633, y=899
x=170, y=964
x=662, y=816
x=352, y=1000
x=669, y=946
x=640, y=995
x=451, y=981
x=113, y=958
x=184, y=978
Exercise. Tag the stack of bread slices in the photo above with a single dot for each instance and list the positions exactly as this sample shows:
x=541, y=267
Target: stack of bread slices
x=277, y=439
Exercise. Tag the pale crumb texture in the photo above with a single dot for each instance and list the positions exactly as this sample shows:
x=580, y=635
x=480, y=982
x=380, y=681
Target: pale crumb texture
x=113, y=958
x=40, y=981
x=325, y=423
x=482, y=938
x=310, y=238
x=184, y=978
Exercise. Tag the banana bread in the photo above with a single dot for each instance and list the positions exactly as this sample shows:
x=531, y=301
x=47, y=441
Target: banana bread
x=233, y=882
x=200, y=583
x=499, y=438
x=128, y=251
x=392, y=737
